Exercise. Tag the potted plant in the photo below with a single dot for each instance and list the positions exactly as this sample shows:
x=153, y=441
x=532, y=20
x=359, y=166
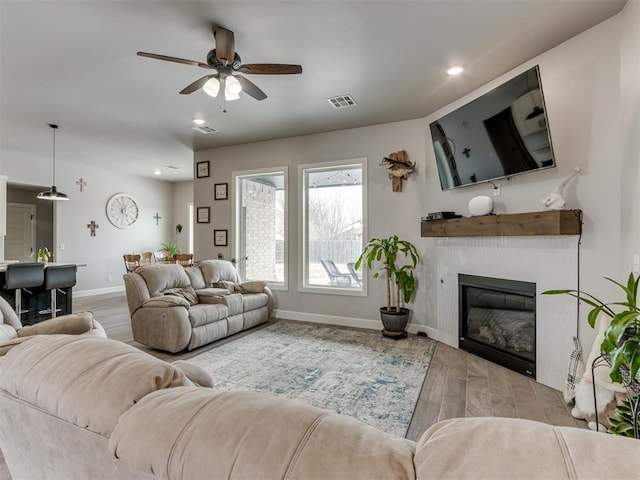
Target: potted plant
x=621, y=343
x=171, y=248
x=43, y=255
x=396, y=261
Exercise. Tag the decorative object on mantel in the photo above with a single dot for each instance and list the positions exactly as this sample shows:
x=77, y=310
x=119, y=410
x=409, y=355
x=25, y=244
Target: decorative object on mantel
x=93, y=225
x=157, y=218
x=555, y=200
x=81, y=183
x=53, y=193
x=619, y=349
x=479, y=206
x=388, y=252
x=399, y=167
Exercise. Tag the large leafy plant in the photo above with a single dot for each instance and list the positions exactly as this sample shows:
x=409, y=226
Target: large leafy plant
x=622, y=336
x=396, y=259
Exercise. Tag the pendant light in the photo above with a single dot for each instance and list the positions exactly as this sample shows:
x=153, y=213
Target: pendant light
x=53, y=194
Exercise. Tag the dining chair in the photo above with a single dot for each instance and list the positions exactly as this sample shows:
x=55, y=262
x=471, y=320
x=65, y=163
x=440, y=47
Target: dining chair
x=131, y=261
x=184, y=259
x=147, y=258
x=161, y=256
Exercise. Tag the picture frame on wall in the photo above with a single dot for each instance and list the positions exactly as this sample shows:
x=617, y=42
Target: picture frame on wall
x=221, y=191
x=202, y=169
x=203, y=214
x=220, y=238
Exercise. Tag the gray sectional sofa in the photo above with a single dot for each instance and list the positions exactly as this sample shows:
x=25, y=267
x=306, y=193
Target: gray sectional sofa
x=174, y=308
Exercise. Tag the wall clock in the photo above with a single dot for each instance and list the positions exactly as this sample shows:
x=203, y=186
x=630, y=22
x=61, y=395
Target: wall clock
x=122, y=210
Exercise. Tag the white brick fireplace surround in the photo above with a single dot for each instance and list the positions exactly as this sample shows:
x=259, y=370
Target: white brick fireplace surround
x=551, y=262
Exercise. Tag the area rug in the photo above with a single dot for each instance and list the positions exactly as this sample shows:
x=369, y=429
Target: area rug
x=354, y=372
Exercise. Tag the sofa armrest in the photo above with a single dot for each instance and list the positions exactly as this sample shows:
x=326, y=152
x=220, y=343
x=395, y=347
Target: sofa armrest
x=72, y=324
x=166, y=301
x=193, y=372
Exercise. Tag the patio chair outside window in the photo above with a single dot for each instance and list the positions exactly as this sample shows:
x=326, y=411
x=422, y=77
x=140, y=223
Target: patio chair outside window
x=351, y=266
x=336, y=277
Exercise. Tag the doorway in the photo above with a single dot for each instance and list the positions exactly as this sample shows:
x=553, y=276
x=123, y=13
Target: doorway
x=20, y=241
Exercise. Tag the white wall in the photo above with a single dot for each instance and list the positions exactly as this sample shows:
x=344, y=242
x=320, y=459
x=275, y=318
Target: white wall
x=182, y=197
x=102, y=253
x=591, y=90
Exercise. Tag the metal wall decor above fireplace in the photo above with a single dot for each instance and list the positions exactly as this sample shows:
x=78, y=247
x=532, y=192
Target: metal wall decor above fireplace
x=497, y=321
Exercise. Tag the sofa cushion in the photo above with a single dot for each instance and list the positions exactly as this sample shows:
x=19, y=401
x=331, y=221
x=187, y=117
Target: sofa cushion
x=218, y=270
x=88, y=381
x=216, y=434
x=251, y=287
x=195, y=277
x=9, y=316
x=160, y=277
x=206, y=293
x=480, y=448
x=253, y=301
x=205, y=313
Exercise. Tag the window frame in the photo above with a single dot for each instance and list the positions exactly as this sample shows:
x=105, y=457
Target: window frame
x=235, y=233
x=303, y=228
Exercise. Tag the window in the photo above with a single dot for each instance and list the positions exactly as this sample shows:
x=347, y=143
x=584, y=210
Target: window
x=332, y=221
x=260, y=223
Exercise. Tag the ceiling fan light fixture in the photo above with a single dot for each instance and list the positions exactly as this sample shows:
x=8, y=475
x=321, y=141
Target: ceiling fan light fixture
x=212, y=87
x=233, y=86
x=53, y=193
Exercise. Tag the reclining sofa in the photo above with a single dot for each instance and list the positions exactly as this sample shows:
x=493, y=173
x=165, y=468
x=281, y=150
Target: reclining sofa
x=174, y=307
x=74, y=407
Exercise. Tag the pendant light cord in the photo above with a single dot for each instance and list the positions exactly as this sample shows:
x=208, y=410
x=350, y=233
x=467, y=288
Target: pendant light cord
x=54, y=127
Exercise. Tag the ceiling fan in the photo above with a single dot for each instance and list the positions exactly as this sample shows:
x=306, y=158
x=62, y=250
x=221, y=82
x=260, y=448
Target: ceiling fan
x=227, y=68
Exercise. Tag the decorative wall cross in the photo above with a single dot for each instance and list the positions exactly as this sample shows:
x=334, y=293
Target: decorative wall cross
x=157, y=217
x=466, y=152
x=93, y=225
x=81, y=183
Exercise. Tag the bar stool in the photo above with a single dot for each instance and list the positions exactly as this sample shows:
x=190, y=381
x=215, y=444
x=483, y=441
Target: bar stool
x=57, y=277
x=21, y=276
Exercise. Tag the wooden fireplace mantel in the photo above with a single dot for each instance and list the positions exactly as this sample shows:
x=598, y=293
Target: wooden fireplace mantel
x=553, y=222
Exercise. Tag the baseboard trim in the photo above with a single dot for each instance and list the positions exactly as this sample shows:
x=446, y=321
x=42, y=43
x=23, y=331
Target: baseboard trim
x=348, y=322
x=98, y=291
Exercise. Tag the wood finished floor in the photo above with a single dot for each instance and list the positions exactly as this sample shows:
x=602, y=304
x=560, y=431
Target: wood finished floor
x=458, y=384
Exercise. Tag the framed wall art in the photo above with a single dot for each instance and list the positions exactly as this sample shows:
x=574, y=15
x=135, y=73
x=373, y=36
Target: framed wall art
x=203, y=214
x=220, y=238
x=202, y=169
x=221, y=191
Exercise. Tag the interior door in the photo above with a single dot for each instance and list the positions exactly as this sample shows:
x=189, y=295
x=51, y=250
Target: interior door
x=20, y=241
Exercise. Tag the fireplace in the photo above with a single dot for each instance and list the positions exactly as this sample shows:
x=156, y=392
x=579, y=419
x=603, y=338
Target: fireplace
x=497, y=321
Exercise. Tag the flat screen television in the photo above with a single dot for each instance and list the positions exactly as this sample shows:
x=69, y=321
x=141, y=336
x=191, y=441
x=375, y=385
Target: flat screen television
x=500, y=134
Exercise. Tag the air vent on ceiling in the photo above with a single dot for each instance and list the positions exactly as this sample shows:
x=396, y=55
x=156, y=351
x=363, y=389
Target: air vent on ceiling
x=172, y=167
x=342, y=101
x=205, y=129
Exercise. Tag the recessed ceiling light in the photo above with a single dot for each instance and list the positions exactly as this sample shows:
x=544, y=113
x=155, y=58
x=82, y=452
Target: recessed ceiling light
x=198, y=121
x=157, y=172
x=457, y=70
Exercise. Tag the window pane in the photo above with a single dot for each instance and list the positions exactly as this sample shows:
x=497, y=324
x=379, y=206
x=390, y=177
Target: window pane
x=260, y=213
x=334, y=225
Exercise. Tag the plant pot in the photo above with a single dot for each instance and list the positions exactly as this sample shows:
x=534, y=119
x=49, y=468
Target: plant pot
x=394, y=322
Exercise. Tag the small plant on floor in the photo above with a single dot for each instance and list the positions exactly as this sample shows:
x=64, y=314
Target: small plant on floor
x=621, y=341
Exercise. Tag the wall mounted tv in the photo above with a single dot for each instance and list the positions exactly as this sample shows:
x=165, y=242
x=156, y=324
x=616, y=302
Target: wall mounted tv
x=500, y=134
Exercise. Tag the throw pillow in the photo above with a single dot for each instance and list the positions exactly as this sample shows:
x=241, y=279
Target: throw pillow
x=251, y=287
x=224, y=284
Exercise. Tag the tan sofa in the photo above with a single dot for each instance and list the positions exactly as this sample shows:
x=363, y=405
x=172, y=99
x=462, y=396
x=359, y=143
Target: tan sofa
x=173, y=307
x=80, y=408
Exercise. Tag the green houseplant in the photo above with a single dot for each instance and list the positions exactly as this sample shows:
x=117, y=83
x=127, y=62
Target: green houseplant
x=171, y=248
x=621, y=341
x=396, y=260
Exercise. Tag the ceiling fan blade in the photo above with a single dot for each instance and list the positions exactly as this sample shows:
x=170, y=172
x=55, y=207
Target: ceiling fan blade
x=197, y=85
x=167, y=58
x=225, y=44
x=271, y=68
x=251, y=88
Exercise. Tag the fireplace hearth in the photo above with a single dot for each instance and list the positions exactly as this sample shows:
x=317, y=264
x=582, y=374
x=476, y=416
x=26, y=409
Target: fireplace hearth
x=497, y=321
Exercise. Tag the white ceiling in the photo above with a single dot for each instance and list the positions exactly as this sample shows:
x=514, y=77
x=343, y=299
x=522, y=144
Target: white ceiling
x=74, y=63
